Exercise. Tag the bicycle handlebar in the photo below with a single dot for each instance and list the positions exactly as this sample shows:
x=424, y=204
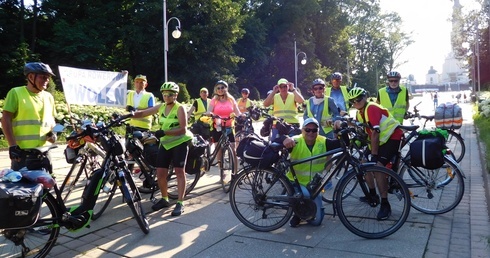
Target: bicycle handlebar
x=91, y=130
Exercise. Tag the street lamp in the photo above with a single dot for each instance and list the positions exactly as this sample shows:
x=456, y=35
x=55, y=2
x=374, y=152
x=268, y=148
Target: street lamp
x=303, y=62
x=175, y=34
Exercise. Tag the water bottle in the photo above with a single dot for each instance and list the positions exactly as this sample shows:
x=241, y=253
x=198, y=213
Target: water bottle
x=218, y=124
x=13, y=176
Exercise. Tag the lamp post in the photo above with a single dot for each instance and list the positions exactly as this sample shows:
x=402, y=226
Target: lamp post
x=303, y=62
x=176, y=34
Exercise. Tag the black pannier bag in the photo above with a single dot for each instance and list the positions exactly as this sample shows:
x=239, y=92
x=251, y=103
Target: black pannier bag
x=201, y=128
x=20, y=204
x=428, y=150
x=258, y=153
x=150, y=152
x=197, y=147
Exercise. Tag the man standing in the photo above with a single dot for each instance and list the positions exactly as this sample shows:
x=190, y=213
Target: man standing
x=322, y=108
x=200, y=105
x=394, y=97
x=140, y=99
x=28, y=114
x=338, y=93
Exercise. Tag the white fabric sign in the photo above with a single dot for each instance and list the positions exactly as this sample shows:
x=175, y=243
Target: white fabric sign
x=92, y=87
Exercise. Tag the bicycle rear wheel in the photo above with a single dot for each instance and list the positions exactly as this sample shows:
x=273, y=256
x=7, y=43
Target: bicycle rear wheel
x=227, y=169
x=133, y=199
x=456, y=144
x=36, y=240
x=259, y=199
x=172, y=187
x=434, y=191
x=359, y=217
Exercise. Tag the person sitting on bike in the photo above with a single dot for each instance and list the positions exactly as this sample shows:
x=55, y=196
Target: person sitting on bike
x=28, y=115
x=306, y=145
x=174, y=144
x=223, y=105
x=284, y=98
x=394, y=97
x=322, y=108
x=384, y=136
x=200, y=105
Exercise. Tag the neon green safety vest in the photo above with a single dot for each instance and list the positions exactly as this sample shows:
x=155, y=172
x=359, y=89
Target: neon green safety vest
x=305, y=171
x=399, y=109
x=248, y=103
x=200, y=108
x=386, y=127
x=169, y=122
x=325, y=115
x=143, y=122
x=286, y=110
x=28, y=127
x=345, y=93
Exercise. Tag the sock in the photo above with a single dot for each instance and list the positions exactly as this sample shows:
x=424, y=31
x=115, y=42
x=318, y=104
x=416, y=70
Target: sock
x=372, y=191
x=165, y=198
x=181, y=202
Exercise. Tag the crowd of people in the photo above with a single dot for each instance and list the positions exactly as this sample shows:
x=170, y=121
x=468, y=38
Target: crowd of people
x=28, y=120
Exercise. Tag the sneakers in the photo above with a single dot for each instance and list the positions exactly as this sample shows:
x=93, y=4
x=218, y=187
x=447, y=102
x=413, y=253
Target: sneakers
x=144, y=189
x=179, y=209
x=160, y=205
x=384, y=212
x=294, y=222
x=372, y=200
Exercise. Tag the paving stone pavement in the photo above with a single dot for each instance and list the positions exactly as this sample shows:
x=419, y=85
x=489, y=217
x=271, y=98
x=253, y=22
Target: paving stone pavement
x=208, y=228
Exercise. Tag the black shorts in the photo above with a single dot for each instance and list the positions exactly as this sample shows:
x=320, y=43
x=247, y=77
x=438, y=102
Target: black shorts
x=176, y=155
x=388, y=151
x=216, y=135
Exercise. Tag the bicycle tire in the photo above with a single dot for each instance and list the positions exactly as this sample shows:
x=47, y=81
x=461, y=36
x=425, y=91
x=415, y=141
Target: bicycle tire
x=106, y=193
x=133, y=198
x=71, y=180
x=39, y=238
x=455, y=143
x=434, y=191
x=360, y=218
x=329, y=190
x=252, y=207
x=172, y=187
x=227, y=169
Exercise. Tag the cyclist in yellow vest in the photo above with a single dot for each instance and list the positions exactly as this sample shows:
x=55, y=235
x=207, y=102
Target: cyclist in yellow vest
x=140, y=99
x=306, y=145
x=322, y=108
x=284, y=98
x=384, y=137
x=174, y=140
x=394, y=97
x=244, y=102
x=200, y=105
x=28, y=114
x=338, y=93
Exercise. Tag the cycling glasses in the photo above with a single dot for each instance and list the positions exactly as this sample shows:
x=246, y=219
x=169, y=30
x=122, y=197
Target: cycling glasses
x=170, y=94
x=318, y=88
x=220, y=88
x=357, y=100
x=311, y=130
x=282, y=86
x=393, y=80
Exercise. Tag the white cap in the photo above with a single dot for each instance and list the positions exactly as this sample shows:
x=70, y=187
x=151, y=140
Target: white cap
x=309, y=121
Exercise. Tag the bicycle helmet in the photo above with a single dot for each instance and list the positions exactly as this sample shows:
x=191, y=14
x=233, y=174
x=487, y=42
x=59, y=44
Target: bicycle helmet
x=318, y=82
x=394, y=74
x=246, y=90
x=357, y=92
x=170, y=86
x=222, y=83
x=336, y=76
x=37, y=67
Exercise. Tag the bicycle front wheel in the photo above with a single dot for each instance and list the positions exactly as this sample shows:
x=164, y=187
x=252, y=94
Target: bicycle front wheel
x=360, y=217
x=434, y=191
x=339, y=168
x=456, y=144
x=259, y=199
x=36, y=240
x=72, y=179
x=107, y=191
x=133, y=199
x=227, y=169
x=172, y=185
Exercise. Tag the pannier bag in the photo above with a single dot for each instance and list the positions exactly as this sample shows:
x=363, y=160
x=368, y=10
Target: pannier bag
x=197, y=147
x=201, y=128
x=19, y=204
x=448, y=116
x=428, y=149
x=258, y=154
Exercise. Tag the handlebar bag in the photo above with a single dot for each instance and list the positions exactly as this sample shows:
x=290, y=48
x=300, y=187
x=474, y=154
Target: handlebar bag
x=20, y=204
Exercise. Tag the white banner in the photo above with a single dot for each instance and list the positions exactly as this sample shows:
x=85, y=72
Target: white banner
x=92, y=87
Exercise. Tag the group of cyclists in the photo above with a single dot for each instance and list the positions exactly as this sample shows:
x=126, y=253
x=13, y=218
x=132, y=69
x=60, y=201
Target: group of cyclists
x=28, y=118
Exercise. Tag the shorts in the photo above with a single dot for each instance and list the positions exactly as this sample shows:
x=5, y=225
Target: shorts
x=176, y=155
x=388, y=151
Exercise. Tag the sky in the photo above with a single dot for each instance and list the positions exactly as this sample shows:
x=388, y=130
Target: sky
x=430, y=25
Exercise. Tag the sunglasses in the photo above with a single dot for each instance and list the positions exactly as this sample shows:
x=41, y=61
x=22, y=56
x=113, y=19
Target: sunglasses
x=283, y=86
x=311, y=130
x=337, y=80
x=220, y=88
x=393, y=80
x=354, y=101
x=318, y=88
x=168, y=94
x=246, y=93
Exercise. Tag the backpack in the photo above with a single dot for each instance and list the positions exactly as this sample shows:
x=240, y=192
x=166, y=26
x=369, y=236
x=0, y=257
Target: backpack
x=428, y=149
x=20, y=204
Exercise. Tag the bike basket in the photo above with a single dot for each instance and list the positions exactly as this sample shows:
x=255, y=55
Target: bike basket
x=427, y=151
x=259, y=154
x=20, y=204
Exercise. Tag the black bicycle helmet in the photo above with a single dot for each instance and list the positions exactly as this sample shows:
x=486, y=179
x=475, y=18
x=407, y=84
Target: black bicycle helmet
x=37, y=67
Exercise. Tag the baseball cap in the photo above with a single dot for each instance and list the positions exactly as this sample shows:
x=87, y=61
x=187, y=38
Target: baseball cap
x=309, y=121
x=140, y=77
x=282, y=81
x=203, y=89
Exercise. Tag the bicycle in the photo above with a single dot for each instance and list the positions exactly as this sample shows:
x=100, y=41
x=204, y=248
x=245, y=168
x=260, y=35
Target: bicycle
x=38, y=239
x=455, y=141
x=264, y=199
